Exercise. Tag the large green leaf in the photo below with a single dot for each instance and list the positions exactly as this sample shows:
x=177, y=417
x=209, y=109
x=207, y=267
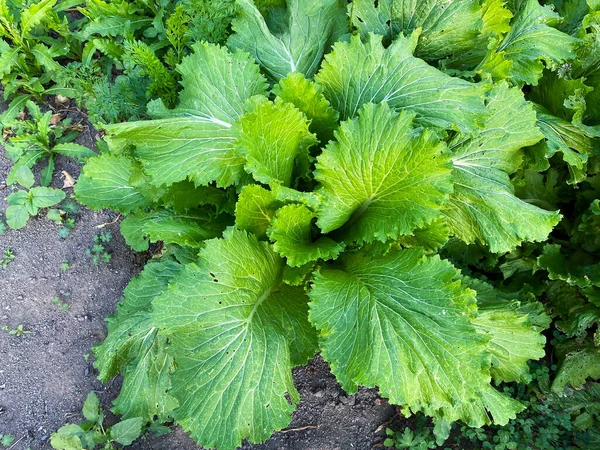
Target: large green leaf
x=447, y=27
x=514, y=340
x=394, y=178
x=105, y=183
x=274, y=138
x=290, y=39
x=190, y=228
x=236, y=330
x=406, y=327
x=133, y=348
x=195, y=140
x=358, y=72
x=570, y=140
x=483, y=207
x=530, y=45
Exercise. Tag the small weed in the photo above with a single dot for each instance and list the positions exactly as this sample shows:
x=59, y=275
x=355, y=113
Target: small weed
x=8, y=257
x=91, y=432
x=58, y=302
x=2, y=228
x=86, y=356
x=6, y=440
x=66, y=265
x=19, y=331
x=70, y=206
x=98, y=252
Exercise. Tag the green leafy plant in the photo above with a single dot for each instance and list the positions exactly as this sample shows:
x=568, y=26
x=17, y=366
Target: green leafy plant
x=354, y=163
x=98, y=252
x=38, y=139
x=34, y=38
x=28, y=202
x=58, y=302
x=421, y=438
x=18, y=332
x=7, y=259
x=91, y=433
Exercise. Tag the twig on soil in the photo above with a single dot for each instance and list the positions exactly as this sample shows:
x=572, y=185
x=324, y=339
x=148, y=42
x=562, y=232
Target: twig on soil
x=13, y=446
x=384, y=425
x=102, y=225
x=300, y=429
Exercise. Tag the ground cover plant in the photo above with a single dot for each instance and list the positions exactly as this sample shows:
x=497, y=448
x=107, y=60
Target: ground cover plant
x=408, y=188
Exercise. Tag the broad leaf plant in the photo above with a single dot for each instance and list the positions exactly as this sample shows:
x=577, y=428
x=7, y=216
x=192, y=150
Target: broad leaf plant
x=313, y=187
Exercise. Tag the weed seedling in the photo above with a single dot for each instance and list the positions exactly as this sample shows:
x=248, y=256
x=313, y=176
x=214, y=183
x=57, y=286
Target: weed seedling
x=2, y=228
x=66, y=265
x=98, y=252
x=19, y=331
x=8, y=257
x=58, y=302
x=91, y=432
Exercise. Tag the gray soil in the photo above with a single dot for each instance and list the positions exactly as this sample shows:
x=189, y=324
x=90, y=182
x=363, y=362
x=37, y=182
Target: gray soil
x=45, y=375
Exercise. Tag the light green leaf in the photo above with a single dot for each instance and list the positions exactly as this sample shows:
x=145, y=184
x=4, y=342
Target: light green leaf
x=190, y=228
x=195, y=140
x=531, y=44
x=570, y=140
x=24, y=176
x=90, y=407
x=308, y=97
x=62, y=442
x=291, y=232
x=273, y=137
x=182, y=147
x=514, y=340
x=153, y=280
x=356, y=73
x=394, y=178
x=447, y=27
x=431, y=237
x=105, y=183
x=255, y=208
x=293, y=39
x=127, y=431
x=406, y=327
x=216, y=85
x=236, y=331
x=17, y=216
x=73, y=150
x=579, y=364
x=34, y=15
x=44, y=58
x=44, y=197
x=483, y=207
x=9, y=59
x=146, y=382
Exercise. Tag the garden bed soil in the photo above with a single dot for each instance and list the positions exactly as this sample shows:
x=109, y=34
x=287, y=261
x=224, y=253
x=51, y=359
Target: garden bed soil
x=46, y=374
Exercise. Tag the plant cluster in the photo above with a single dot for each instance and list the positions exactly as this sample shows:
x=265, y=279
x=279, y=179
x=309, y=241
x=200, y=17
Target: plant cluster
x=98, y=252
x=565, y=421
x=379, y=184
x=8, y=256
x=411, y=189
x=92, y=434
